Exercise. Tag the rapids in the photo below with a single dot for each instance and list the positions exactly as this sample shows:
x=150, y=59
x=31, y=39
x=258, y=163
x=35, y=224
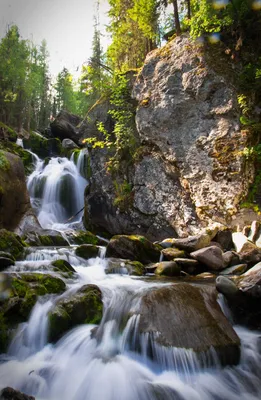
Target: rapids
x=105, y=365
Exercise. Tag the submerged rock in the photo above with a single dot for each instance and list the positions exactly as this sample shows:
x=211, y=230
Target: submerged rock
x=189, y=317
x=133, y=247
x=82, y=307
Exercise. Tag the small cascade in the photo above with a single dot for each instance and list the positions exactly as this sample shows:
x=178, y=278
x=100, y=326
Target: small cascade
x=20, y=142
x=32, y=336
x=57, y=191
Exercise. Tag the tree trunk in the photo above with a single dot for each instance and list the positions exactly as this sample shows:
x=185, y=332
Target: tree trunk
x=188, y=9
x=176, y=17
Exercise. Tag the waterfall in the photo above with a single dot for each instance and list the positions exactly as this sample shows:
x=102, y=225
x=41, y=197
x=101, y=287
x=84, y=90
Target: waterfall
x=115, y=360
x=57, y=189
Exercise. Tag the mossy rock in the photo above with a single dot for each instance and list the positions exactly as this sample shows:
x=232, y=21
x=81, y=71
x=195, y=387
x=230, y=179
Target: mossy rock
x=11, y=243
x=25, y=156
x=42, y=146
x=133, y=247
x=63, y=267
x=167, y=268
x=87, y=251
x=24, y=291
x=82, y=237
x=121, y=266
x=7, y=133
x=83, y=307
x=50, y=238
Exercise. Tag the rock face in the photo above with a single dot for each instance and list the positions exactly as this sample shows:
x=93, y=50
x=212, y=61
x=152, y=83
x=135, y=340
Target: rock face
x=14, y=198
x=190, y=170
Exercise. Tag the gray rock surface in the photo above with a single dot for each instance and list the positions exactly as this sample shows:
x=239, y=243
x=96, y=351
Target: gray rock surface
x=210, y=256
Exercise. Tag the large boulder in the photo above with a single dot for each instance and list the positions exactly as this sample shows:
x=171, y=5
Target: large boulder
x=211, y=256
x=133, y=247
x=83, y=307
x=65, y=126
x=42, y=146
x=11, y=243
x=167, y=315
x=14, y=198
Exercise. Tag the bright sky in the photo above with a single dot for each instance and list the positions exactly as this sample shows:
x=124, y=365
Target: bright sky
x=67, y=26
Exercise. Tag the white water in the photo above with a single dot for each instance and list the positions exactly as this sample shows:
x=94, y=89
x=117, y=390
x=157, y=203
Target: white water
x=57, y=191
x=101, y=363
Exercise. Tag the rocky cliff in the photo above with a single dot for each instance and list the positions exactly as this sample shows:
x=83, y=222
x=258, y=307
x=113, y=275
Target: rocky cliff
x=190, y=169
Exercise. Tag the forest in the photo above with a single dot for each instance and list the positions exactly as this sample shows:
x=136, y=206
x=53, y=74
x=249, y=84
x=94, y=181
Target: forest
x=30, y=97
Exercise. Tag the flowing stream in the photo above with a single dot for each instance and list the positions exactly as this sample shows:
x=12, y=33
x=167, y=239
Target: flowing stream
x=105, y=366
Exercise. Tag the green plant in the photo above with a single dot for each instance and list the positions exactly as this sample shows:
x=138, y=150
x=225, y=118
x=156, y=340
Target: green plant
x=124, y=195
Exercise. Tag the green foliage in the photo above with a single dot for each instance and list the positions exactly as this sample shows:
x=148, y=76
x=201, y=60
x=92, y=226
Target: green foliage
x=66, y=98
x=123, y=195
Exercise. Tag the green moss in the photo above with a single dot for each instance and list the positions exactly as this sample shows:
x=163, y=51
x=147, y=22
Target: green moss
x=45, y=283
x=87, y=251
x=4, y=339
x=11, y=133
x=11, y=243
x=4, y=163
x=83, y=237
x=64, y=267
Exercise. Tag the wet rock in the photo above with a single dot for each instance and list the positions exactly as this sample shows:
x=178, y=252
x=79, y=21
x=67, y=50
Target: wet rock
x=42, y=146
x=44, y=237
x=12, y=394
x=121, y=266
x=82, y=307
x=172, y=253
x=23, y=291
x=63, y=267
x=235, y=270
x=231, y=258
x=11, y=243
x=177, y=306
x=192, y=243
x=249, y=253
x=87, y=251
x=211, y=256
x=82, y=237
x=188, y=265
x=250, y=281
x=14, y=197
x=167, y=268
x=226, y=286
x=224, y=238
x=133, y=247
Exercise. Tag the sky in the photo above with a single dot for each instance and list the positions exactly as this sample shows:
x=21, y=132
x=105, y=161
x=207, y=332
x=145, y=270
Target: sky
x=66, y=25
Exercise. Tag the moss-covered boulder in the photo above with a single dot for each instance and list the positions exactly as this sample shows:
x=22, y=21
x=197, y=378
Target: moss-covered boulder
x=7, y=133
x=26, y=157
x=82, y=237
x=188, y=317
x=64, y=268
x=42, y=146
x=171, y=253
x=11, y=243
x=121, y=266
x=133, y=247
x=14, y=197
x=83, y=307
x=24, y=290
x=44, y=237
x=87, y=251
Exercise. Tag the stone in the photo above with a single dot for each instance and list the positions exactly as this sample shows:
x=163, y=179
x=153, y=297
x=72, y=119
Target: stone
x=188, y=265
x=250, y=253
x=63, y=267
x=5, y=262
x=226, y=286
x=42, y=146
x=133, y=247
x=211, y=256
x=177, y=306
x=12, y=394
x=172, y=253
x=231, y=258
x=82, y=237
x=167, y=268
x=224, y=238
x=11, y=243
x=235, y=270
x=14, y=197
x=82, y=307
x=69, y=144
x=192, y=243
x=250, y=281
x=87, y=251
x=65, y=126
x=44, y=237
x=122, y=266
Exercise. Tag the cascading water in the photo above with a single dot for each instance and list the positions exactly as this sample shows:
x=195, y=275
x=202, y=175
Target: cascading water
x=101, y=363
x=57, y=190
